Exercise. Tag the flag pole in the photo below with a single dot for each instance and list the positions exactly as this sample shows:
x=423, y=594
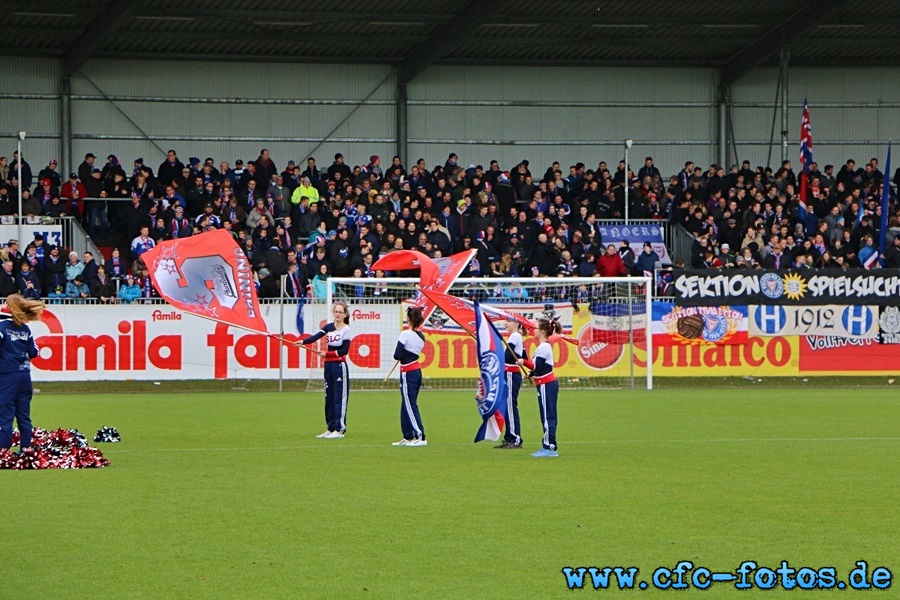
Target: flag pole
x=281, y=346
x=391, y=372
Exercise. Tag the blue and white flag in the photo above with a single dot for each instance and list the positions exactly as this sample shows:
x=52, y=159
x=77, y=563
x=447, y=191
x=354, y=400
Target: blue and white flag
x=301, y=313
x=491, y=396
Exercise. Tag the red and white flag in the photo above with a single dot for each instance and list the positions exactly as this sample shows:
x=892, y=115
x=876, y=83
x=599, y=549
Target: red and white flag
x=434, y=274
x=207, y=275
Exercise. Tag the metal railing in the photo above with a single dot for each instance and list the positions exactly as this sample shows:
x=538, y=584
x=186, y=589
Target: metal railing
x=681, y=244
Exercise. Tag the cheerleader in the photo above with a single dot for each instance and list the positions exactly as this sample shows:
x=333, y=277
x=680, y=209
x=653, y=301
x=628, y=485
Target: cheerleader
x=547, y=386
x=409, y=346
x=17, y=349
x=515, y=349
x=337, y=376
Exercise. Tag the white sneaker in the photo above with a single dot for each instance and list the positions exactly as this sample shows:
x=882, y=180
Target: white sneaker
x=417, y=443
x=324, y=435
x=335, y=435
x=403, y=443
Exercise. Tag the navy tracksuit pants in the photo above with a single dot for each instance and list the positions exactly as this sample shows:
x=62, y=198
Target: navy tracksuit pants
x=410, y=420
x=513, y=427
x=15, y=403
x=547, y=396
x=337, y=392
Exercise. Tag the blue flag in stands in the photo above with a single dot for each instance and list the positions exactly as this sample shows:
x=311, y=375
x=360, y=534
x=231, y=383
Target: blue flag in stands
x=300, y=310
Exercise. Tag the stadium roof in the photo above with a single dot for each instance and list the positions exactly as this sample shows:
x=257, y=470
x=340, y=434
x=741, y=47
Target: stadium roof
x=735, y=36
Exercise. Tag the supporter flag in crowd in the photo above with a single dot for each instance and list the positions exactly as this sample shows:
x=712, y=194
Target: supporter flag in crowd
x=885, y=201
x=207, y=275
x=438, y=274
x=301, y=313
x=806, y=158
x=492, y=392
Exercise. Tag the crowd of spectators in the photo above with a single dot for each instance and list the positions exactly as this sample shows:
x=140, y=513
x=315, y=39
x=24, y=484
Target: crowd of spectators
x=310, y=222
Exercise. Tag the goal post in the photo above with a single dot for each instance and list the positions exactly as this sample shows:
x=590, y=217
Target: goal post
x=610, y=317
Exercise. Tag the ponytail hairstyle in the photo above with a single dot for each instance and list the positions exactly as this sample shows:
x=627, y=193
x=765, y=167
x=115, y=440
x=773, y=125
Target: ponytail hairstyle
x=346, y=310
x=549, y=326
x=24, y=310
x=414, y=316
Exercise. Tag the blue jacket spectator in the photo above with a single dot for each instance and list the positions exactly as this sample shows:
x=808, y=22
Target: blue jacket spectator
x=129, y=290
x=77, y=289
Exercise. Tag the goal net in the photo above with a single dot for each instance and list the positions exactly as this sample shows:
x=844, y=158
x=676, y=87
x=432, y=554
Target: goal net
x=608, y=317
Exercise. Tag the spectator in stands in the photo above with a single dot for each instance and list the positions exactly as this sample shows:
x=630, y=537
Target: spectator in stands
x=320, y=281
x=868, y=254
x=158, y=232
x=129, y=290
x=7, y=279
x=775, y=258
x=338, y=170
x=44, y=191
x=627, y=254
x=648, y=170
x=49, y=172
x=28, y=282
x=115, y=266
x=145, y=283
x=268, y=284
x=74, y=267
x=54, y=272
x=141, y=243
x=646, y=261
x=170, y=169
x=74, y=193
x=255, y=217
x=103, y=288
x=77, y=290
x=610, y=264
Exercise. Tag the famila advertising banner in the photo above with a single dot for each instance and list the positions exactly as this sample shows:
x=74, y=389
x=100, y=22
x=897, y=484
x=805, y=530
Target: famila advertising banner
x=157, y=342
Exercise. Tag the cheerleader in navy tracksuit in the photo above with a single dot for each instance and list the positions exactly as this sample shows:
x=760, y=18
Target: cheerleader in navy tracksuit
x=515, y=349
x=17, y=348
x=337, y=376
x=409, y=346
x=547, y=386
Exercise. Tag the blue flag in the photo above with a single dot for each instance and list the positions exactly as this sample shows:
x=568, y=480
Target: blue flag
x=300, y=313
x=885, y=200
x=492, y=389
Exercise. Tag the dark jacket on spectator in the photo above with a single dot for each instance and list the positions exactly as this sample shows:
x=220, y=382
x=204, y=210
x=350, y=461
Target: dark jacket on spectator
x=54, y=274
x=168, y=172
x=7, y=283
x=104, y=289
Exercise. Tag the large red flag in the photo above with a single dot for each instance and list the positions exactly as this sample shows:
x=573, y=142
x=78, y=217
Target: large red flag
x=462, y=311
x=207, y=275
x=434, y=274
x=407, y=260
x=449, y=269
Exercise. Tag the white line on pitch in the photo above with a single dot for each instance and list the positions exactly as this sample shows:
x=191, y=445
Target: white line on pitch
x=566, y=443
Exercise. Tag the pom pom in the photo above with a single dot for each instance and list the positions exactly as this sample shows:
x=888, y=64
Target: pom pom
x=108, y=435
x=59, y=449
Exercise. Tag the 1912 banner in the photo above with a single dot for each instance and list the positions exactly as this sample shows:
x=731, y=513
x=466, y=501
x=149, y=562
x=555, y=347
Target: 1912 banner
x=786, y=287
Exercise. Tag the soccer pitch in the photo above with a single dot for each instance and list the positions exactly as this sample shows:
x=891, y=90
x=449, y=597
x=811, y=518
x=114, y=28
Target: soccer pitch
x=229, y=495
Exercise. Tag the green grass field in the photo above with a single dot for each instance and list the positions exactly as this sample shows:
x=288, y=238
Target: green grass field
x=229, y=495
